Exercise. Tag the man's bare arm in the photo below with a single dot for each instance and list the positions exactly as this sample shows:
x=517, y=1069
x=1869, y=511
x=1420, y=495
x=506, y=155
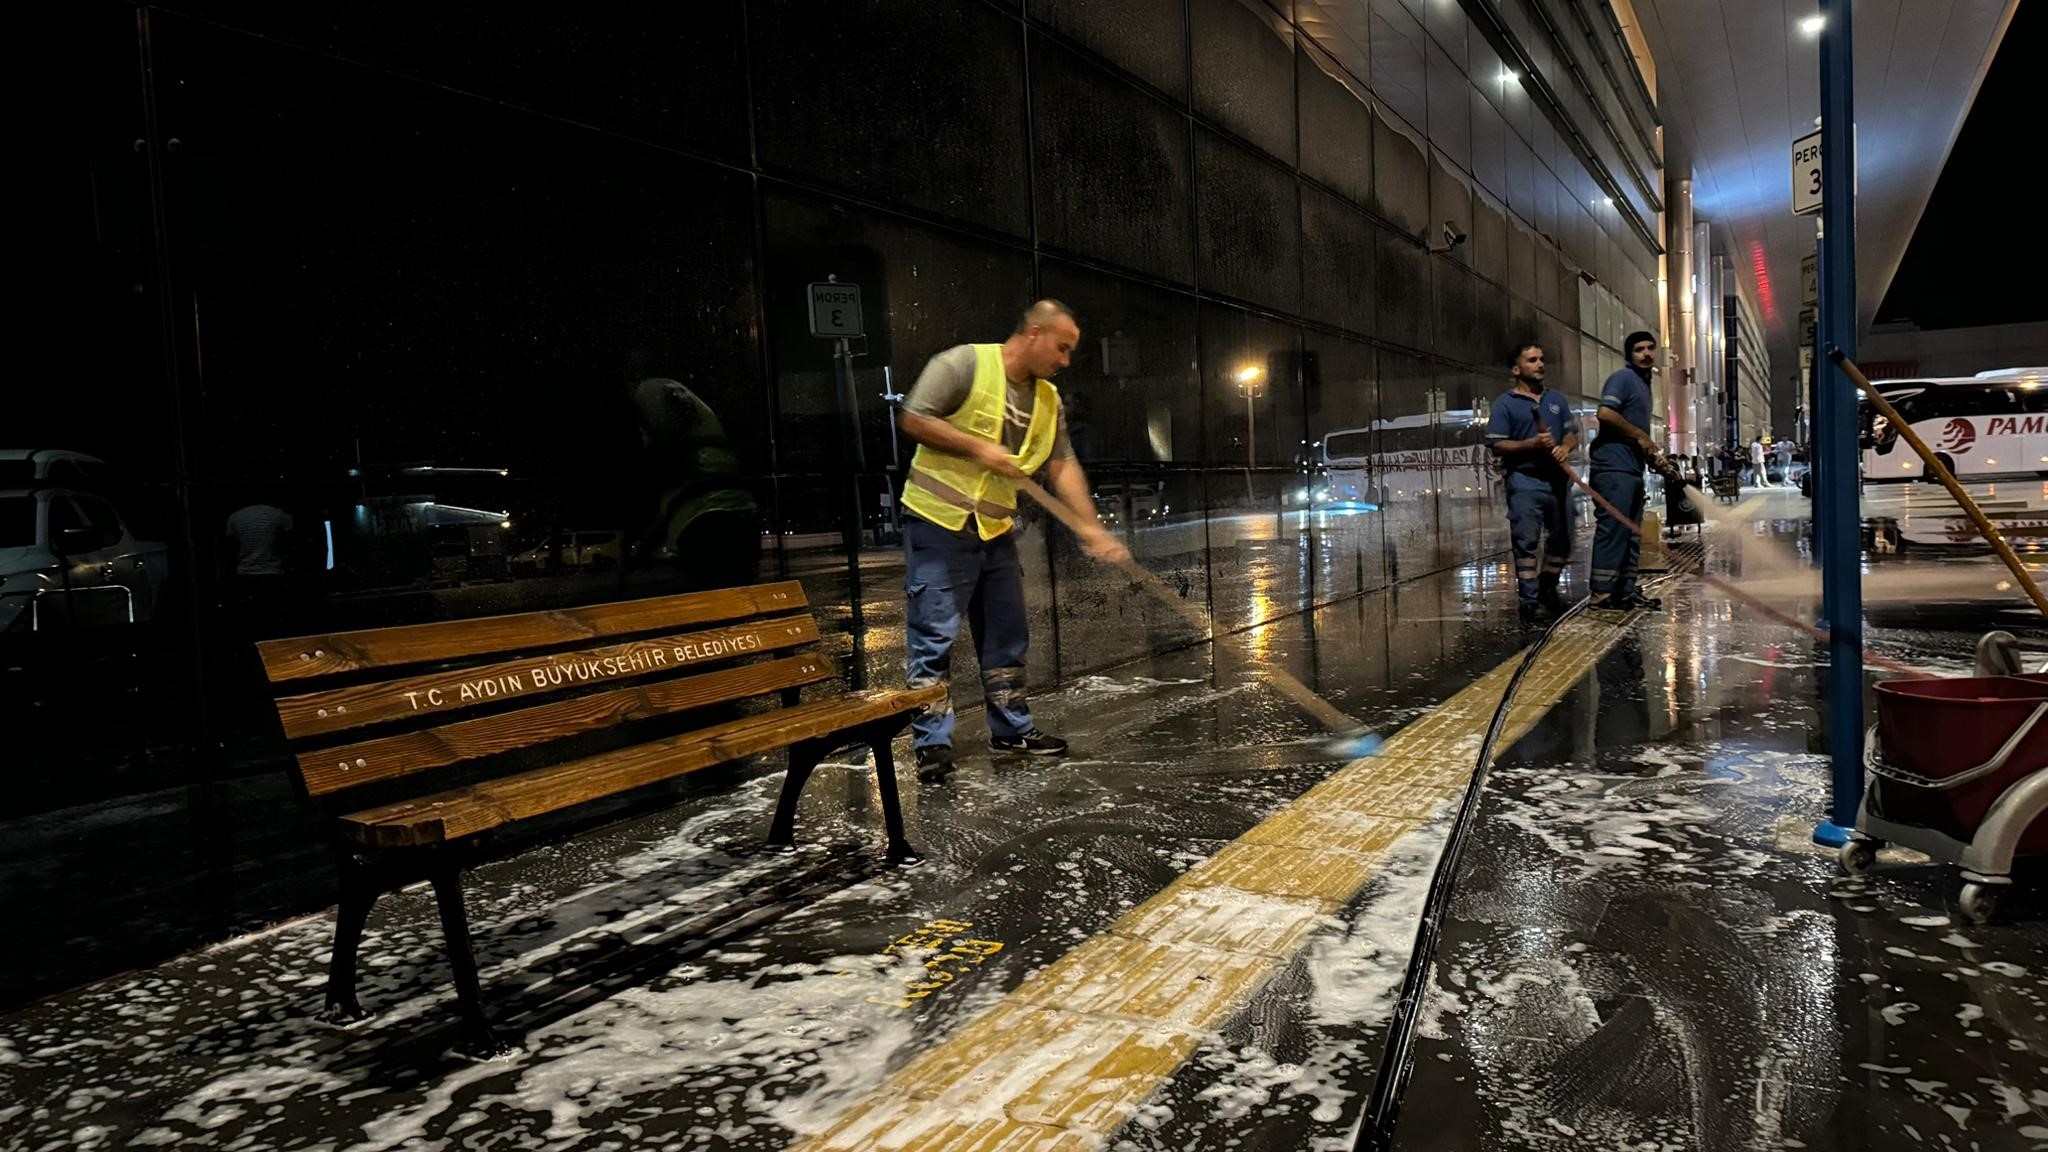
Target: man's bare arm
x=1540, y=442
x=1070, y=484
x=1614, y=420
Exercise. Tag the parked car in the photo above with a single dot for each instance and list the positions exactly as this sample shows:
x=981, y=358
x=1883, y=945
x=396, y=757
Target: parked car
x=571, y=552
x=599, y=550
x=1138, y=501
x=62, y=550
x=26, y=467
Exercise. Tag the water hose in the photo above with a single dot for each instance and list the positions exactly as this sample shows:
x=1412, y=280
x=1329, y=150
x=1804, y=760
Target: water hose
x=1933, y=463
x=1375, y=1132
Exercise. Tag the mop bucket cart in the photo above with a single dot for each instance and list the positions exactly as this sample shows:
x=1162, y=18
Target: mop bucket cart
x=1957, y=768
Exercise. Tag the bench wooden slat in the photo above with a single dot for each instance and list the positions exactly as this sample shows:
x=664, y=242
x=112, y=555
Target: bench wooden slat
x=463, y=812
x=304, y=657
x=340, y=709
x=331, y=770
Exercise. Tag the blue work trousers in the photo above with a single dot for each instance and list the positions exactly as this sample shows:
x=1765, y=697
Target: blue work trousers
x=950, y=576
x=1616, y=547
x=1537, y=507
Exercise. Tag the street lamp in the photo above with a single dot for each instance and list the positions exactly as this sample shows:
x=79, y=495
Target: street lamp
x=1251, y=383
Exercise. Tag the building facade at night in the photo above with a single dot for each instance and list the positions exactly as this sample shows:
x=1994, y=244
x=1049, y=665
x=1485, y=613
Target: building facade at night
x=384, y=315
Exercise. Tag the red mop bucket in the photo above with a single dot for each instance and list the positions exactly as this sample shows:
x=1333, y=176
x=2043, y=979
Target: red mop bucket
x=1934, y=730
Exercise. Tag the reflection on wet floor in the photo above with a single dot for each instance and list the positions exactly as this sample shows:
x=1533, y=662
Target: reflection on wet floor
x=1644, y=952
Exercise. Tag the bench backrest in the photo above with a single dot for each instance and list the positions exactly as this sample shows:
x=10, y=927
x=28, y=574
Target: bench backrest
x=383, y=704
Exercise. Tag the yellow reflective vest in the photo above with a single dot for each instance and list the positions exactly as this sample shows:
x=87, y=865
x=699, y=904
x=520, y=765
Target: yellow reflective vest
x=946, y=489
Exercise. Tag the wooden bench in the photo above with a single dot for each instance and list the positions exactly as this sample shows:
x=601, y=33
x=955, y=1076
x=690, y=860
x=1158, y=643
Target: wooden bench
x=423, y=741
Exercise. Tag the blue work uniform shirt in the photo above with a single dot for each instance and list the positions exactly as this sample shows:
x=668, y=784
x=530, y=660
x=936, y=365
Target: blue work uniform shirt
x=1516, y=416
x=1628, y=394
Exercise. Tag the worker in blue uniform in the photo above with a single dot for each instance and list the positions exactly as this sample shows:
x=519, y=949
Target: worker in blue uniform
x=1533, y=432
x=1620, y=450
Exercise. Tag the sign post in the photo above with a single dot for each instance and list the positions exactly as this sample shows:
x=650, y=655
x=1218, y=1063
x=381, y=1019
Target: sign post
x=835, y=315
x=835, y=310
x=1806, y=172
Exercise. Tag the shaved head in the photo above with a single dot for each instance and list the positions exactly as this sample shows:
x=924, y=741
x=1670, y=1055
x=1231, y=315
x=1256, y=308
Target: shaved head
x=1043, y=314
x=1044, y=340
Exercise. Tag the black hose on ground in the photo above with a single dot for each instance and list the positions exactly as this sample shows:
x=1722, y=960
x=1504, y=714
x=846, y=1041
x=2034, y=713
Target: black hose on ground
x=1397, y=1060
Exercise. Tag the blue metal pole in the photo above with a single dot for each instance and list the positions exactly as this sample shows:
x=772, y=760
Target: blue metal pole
x=1823, y=407
x=1838, y=523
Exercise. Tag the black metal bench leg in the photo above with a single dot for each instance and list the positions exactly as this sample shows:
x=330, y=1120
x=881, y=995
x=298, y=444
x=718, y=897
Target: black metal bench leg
x=358, y=892
x=478, y=1038
x=900, y=851
x=803, y=760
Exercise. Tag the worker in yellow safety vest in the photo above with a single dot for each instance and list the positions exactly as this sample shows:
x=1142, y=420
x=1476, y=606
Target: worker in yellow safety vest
x=983, y=415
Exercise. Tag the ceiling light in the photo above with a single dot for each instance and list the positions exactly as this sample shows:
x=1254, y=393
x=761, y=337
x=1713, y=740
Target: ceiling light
x=1509, y=75
x=1812, y=25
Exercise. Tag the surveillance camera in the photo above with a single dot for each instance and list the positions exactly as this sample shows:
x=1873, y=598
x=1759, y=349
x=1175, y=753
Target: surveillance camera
x=1452, y=237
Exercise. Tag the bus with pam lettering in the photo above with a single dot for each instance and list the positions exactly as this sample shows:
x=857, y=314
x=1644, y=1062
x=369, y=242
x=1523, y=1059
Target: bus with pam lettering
x=1990, y=426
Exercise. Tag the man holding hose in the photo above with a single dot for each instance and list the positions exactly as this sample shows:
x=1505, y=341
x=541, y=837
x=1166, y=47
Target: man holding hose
x=983, y=416
x=1620, y=449
x=1532, y=432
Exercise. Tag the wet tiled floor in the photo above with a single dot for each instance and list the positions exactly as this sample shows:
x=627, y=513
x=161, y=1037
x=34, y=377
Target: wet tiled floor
x=1644, y=951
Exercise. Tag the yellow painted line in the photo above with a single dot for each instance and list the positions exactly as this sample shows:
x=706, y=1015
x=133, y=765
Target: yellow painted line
x=1067, y=1057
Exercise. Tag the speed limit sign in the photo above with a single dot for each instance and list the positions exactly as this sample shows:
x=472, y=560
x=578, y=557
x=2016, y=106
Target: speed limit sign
x=835, y=310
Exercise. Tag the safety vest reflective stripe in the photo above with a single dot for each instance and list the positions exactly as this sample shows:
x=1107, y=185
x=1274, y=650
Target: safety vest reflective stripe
x=955, y=497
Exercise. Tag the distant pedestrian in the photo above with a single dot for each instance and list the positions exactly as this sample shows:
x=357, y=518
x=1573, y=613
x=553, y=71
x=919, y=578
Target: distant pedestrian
x=1759, y=472
x=261, y=535
x=1785, y=463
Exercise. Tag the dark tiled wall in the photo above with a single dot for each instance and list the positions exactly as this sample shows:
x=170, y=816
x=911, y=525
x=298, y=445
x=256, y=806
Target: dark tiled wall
x=321, y=256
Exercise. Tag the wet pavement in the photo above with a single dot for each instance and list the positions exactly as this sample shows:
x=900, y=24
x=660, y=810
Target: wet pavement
x=1644, y=952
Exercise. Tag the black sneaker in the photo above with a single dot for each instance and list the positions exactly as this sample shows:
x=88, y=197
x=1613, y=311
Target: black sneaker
x=935, y=763
x=1032, y=743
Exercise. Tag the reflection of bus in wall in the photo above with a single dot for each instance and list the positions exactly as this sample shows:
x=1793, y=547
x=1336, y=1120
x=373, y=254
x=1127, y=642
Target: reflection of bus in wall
x=1993, y=424
x=1399, y=458
x=1403, y=457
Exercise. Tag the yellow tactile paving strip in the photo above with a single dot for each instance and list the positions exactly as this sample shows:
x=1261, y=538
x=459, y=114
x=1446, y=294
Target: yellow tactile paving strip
x=1064, y=1060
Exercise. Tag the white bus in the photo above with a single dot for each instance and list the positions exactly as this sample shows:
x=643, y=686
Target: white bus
x=1982, y=427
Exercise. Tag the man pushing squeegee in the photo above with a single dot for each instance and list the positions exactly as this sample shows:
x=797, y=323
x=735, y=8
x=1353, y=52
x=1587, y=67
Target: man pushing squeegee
x=985, y=418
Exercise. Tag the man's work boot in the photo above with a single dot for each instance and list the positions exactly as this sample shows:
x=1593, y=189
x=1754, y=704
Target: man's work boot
x=1636, y=599
x=1032, y=743
x=1529, y=611
x=1547, y=595
x=935, y=763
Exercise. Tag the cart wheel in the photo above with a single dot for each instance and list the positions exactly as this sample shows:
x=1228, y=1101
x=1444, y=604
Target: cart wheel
x=1856, y=856
x=1979, y=902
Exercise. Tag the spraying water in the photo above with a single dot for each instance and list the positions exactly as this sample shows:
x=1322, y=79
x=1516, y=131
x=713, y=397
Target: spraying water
x=1773, y=569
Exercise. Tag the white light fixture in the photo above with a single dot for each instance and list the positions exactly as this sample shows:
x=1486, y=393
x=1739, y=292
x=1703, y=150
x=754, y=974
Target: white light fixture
x=1812, y=25
x=1509, y=75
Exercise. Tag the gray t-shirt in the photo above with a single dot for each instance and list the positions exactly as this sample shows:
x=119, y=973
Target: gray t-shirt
x=946, y=381
x=259, y=534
